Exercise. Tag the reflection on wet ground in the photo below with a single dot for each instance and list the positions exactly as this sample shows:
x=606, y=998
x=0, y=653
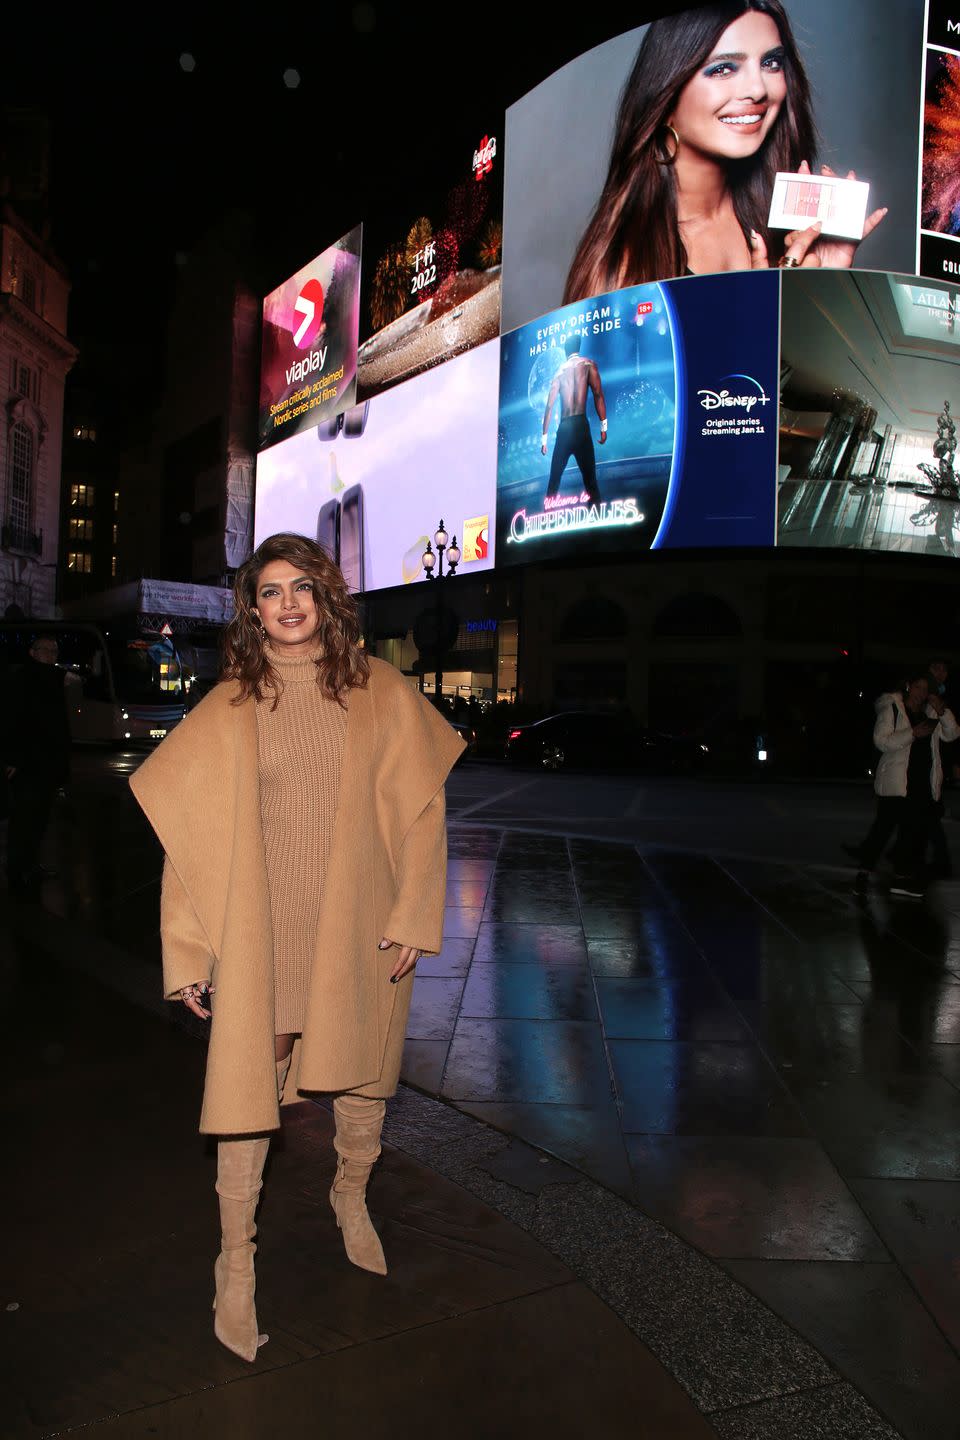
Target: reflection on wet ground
x=746, y=1051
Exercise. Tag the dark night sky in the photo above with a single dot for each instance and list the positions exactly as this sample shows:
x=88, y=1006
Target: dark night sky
x=145, y=155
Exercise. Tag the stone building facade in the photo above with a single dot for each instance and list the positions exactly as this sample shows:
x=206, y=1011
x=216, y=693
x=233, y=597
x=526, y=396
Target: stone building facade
x=35, y=357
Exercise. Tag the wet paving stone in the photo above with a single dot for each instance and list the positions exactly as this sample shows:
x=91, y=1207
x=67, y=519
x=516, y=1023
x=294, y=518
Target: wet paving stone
x=603, y=922
x=527, y=992
x=832, y=1039
x=886, y=1126
x=543, y=944
x=793, y=980
x=453, y=960
x=423, y=1062
x=661, y=955
x=830, y=1412
x=678, y=1088
x=468, y=882
x=867, y=1321
x=756, y=1198
x=433, y=1008
x=586, y=1136
x=542, y=853
x=919, y=1220
x=525, y=896
x=684, y=1009
x=558, y=1062
x=461, y=922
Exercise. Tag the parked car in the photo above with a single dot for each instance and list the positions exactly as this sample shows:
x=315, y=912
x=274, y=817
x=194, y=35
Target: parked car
x=581, y=739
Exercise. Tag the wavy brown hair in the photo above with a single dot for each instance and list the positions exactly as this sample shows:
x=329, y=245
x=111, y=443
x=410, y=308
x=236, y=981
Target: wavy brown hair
x=634, y=234
x=341, y=663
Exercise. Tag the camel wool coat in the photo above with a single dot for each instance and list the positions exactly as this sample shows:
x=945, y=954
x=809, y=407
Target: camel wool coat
x=386, y=876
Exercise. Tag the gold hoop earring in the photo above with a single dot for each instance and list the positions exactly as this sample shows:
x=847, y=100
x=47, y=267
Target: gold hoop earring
x=666, y=156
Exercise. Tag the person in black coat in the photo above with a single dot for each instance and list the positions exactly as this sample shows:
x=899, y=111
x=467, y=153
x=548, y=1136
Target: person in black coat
x=36, y=759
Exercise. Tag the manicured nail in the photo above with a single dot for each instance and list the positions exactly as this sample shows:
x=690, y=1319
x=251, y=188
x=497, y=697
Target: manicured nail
x=384, y=945
x=393, y=979
x=754, y=238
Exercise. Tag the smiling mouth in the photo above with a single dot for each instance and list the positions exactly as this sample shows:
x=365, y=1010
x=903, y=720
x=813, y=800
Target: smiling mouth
x=743, y=121
x=292, y=619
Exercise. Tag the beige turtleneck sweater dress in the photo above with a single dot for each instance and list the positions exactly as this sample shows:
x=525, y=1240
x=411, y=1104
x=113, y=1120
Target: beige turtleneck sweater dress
x=300, y=753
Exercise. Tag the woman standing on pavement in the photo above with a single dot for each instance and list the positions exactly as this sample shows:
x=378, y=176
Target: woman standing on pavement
x=301, y=810
x=909, y=727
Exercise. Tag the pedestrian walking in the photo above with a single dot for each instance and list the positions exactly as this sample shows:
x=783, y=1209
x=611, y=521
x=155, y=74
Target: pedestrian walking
x=910, y=724
x=938, y=681
x=301, y=810
x=35, y=741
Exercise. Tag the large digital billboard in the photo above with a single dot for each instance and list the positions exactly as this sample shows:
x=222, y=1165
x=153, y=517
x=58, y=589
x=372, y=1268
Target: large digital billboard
x=655, y=155
x=870, y=394
x=642, y=418
x=939, y=255
x=431, y=277
x=372, y=484
x=308, y=358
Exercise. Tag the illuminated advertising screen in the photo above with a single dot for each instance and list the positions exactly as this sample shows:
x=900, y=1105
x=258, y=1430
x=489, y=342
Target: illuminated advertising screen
x=656, y=154
x=431, y=279
x=642, y=418
x=870, y=391
x=373, y=484
x=308, y=360
x=940, y=187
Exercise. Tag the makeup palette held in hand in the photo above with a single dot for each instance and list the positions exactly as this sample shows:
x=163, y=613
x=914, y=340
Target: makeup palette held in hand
x=800, y=200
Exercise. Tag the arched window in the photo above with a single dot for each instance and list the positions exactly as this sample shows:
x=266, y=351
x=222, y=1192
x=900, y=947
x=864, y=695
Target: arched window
x=20, y=502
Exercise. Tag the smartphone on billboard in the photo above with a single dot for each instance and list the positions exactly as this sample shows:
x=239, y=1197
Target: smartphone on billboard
x=328, y=528
x=351, y=537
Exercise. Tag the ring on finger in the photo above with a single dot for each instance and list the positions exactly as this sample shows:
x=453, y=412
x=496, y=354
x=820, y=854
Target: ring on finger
x=789, y=262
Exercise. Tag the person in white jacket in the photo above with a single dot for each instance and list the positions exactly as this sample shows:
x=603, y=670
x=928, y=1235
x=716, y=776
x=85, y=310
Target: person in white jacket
x=909, y=727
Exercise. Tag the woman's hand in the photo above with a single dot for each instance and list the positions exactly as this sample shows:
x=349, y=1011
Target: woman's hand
x=194, y=996
x=807, y=248
x=406, y=960
x=838, y=254
x=801, y=250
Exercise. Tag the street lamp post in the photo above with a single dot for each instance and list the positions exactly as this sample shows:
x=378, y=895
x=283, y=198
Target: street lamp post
x=429, y=560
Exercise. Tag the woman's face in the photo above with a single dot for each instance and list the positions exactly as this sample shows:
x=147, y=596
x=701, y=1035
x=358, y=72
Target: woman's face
x=286, y=606
x=731, y=104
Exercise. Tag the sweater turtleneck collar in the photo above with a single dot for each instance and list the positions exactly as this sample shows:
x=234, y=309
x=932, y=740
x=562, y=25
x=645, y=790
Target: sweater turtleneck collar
x=293, y=668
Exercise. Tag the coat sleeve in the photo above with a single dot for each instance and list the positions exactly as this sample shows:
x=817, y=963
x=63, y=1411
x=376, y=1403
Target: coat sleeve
x=949, y=729
x=187, y=957
x=890, y=736
x=417, y=915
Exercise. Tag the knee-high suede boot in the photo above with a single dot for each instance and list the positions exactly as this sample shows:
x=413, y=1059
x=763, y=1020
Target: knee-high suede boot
x=239, y=1181
x=239, y=1178
x=357, y=1143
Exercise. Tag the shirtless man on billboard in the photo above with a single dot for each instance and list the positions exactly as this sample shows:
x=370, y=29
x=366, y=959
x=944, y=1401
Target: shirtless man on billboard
x=571, y=383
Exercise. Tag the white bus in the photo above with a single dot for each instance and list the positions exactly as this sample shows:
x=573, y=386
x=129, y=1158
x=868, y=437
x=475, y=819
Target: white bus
x=123, y=686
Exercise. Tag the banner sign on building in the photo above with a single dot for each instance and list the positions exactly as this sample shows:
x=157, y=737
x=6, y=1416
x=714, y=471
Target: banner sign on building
x=308, y=365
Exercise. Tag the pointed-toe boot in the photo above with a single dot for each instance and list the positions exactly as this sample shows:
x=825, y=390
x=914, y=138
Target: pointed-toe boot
x=357, y=1141
x=239, y=1179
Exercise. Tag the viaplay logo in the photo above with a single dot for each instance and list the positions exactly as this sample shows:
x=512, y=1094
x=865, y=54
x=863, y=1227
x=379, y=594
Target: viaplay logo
x=739, y=398
x=309, y=306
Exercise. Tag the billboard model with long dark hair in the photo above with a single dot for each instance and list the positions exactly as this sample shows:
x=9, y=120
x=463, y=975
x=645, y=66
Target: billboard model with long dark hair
x=699, y=137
